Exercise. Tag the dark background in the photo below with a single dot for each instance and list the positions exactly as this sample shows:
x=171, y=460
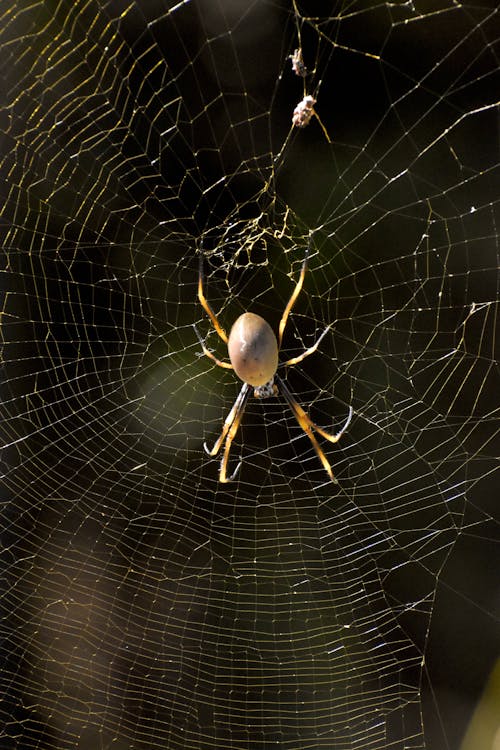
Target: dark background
x=144, y=604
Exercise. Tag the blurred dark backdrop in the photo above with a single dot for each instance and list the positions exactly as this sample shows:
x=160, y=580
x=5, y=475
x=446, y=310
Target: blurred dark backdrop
x=144, y=605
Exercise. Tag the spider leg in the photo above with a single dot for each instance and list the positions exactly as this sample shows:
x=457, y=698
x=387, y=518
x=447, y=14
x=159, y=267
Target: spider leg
x=336, y=436
x=230, y=437
x=295, y=294
x=208, y=353
x=311, y=350
x=237, y=407
x=308, y=426
x=332, y=438
x=229, y=430
x=204, y=303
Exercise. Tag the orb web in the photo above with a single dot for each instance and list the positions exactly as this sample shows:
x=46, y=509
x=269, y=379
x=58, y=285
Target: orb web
x=144, y=603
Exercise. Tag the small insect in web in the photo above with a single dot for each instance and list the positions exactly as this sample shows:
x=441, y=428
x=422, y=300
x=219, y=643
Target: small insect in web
x=303, y=113
x=253, y=353
x=298, y=66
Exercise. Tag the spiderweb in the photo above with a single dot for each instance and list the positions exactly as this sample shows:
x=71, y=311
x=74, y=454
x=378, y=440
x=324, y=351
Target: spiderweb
x=144, y=604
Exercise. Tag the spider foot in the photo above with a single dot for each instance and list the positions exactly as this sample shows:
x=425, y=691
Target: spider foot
x=208, y=451
x=346, y=423
x=231, y=478
x=198, y=334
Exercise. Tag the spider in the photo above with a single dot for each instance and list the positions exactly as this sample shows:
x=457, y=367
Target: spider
x=253, y=353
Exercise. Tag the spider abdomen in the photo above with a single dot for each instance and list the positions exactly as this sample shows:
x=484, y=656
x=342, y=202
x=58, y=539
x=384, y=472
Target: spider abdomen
x=253, y=349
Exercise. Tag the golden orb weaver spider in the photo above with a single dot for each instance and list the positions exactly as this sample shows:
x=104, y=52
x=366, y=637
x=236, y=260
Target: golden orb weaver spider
x=253, y=353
